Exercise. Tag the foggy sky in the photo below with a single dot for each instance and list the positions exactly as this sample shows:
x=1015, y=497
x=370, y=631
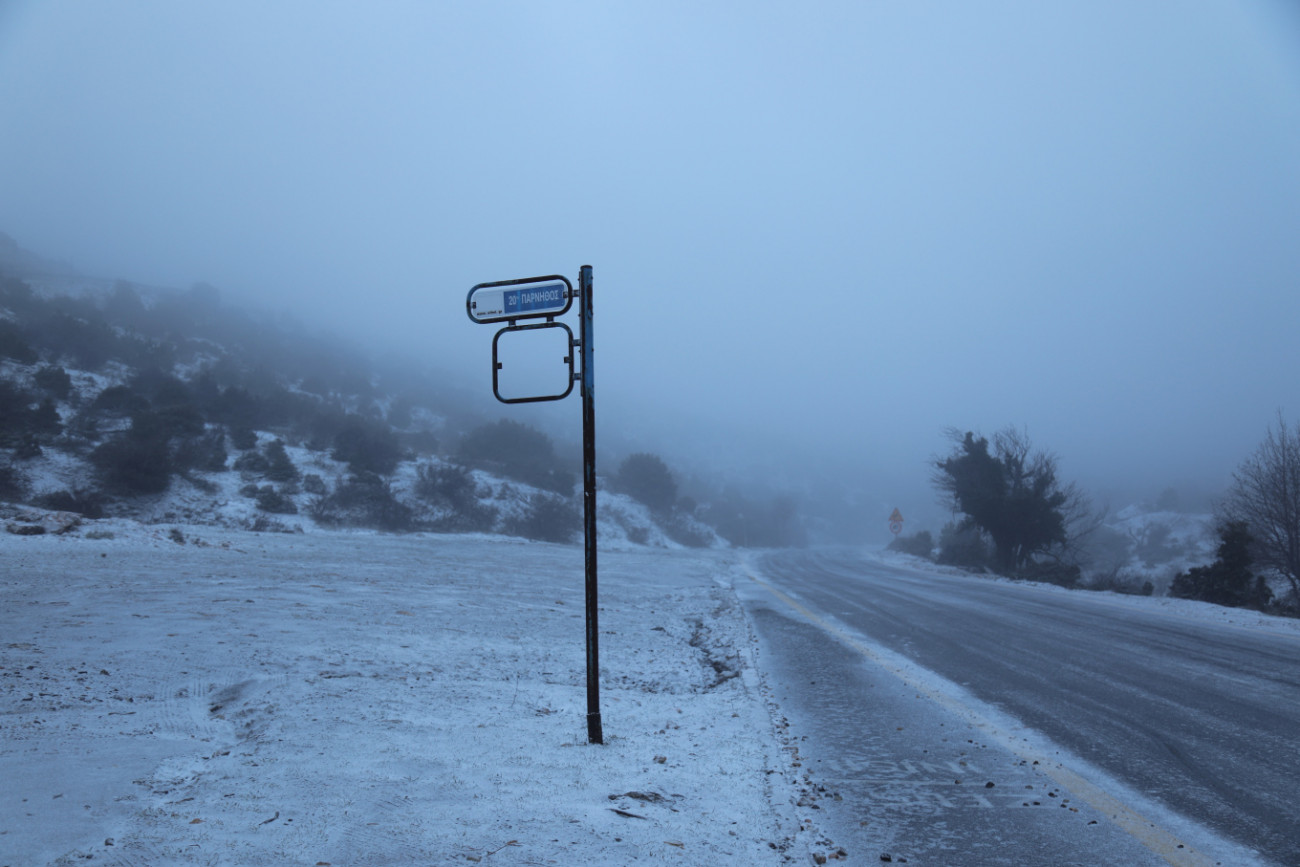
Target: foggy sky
x=821, y=233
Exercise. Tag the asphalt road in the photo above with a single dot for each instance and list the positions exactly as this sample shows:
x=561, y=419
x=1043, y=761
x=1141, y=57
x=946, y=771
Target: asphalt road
x=1200, y=718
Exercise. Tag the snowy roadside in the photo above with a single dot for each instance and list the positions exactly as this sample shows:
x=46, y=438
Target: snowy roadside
x=354, y=698
x=1181, y=609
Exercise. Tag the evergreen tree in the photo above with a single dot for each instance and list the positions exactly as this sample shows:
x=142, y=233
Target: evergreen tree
x=1011, y=493
x=1228, y=580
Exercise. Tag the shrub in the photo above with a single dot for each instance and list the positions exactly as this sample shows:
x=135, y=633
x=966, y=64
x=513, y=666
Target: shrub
x=119, y=400
x=252, y=463
x=683, y=529
x=243, y=438
x=240, y=410
x=1228, y=580
x=13, y=344
x=275, y=502
x=453, y=489
x=14, y=413
x=363, y=500
x=88, y=504
x=366, y=446
x=645, y=477
x=135, y=462
x=280, y=467
x=963, y=545
x=13, y=485
x=1051, y=572
x=23, y=426
x=55, y=381
x=43, y=422
x=918, y=544
x=206, y=452
x=263, y=524
x=445, y=485
x=517, y=451
x=547, y=518
x=81, y=334
x=314, y=484
x=1118, y=581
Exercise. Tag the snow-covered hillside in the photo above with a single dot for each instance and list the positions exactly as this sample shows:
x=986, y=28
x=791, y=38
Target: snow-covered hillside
x=166, y=407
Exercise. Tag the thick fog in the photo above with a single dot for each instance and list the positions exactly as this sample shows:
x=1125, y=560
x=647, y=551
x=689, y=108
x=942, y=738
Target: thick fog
x=820, y=233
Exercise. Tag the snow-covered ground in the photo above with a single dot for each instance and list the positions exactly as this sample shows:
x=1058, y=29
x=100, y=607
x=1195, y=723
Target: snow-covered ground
x=202, y=695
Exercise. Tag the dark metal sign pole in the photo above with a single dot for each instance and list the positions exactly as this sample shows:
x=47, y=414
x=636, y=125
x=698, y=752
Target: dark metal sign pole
x=510, y=301
x=594, y=734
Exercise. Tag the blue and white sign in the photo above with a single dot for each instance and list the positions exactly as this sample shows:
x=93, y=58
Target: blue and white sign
x=508, y=300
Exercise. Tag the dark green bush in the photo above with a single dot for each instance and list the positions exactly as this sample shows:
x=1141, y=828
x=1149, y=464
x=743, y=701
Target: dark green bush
x=964, y=545
x=137, y=461
x=367, y=446
x=16, y=415
x=918, y=544
x=645, y=477
x=1116, y=580
x=453, y=489
x=253, y=463
x=88, y=504
x=280, y=467
x=119, y=400
x=517, y=451
x=684, y=530
x=13, y=484
x=275, y=502
x=243, y=438
x=43, y=421
x=1228, y=580
x=363, y=500
x=547, y=518
x=206, y=452
x=13, y=344
x=1051, y=572
x=54, y=381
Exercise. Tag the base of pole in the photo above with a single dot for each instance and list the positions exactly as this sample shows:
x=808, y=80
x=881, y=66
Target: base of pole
x=594, y=734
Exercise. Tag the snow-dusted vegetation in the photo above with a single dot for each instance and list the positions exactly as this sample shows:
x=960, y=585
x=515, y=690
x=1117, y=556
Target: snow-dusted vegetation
x=166, y=406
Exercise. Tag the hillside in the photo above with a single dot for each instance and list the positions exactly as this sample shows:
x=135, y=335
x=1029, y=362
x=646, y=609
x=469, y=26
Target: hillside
x=168, y=406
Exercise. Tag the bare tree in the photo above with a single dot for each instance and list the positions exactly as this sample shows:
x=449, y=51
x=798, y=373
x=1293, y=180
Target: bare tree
x=1265, y=493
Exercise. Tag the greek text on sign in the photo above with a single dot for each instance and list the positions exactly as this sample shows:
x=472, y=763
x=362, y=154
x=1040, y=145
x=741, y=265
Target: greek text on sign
x=549, y=297
x=509, y=300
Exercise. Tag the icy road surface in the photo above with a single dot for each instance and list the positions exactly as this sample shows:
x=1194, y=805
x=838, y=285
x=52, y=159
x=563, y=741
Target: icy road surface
x=358, y=699
x=965, y=720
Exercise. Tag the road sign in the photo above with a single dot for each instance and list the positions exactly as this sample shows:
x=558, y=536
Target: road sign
x=896, y=516
x=546, y=298
x=896, y=522
x=509, y=300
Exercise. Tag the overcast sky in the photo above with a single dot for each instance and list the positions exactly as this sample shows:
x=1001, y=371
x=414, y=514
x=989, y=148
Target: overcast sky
x=817, y=229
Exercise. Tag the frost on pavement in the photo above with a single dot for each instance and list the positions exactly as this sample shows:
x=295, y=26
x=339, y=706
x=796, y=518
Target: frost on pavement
x=214, y=697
